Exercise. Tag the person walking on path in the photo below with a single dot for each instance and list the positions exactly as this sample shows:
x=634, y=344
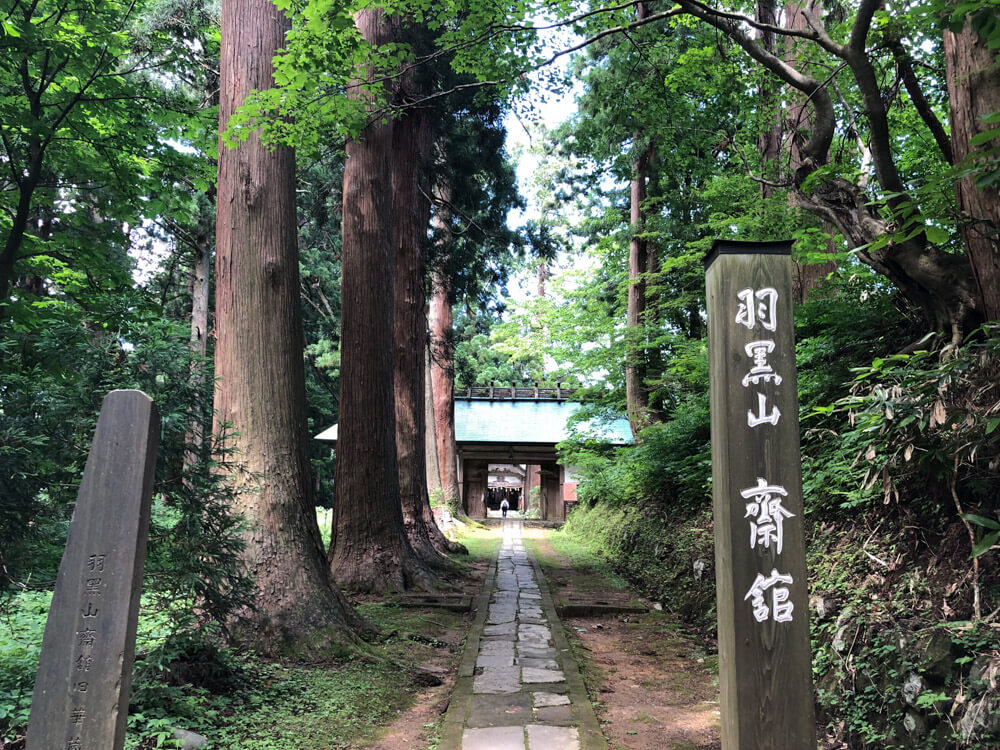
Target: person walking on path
x=504, y=505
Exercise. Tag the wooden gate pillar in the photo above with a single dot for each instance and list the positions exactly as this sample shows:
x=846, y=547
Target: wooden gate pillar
x=551, y=491
x=475, y=477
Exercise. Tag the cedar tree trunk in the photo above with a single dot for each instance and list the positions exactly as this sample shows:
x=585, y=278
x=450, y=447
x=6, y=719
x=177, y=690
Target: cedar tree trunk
x=443, y=382
x=973, y=93
x=430, y=433
x=369, y=549
x=806, y=277
x=200, y=287
x=636, y=395
x=260, y=396
x=411, y=213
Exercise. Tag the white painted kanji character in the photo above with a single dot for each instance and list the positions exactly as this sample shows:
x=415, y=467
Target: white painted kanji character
x=767, y=512
x=761, y=370
x=762, y=417
x=782, y=608
x=757, y=308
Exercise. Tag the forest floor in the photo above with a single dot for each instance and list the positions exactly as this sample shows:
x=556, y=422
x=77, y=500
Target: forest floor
x=652, y=685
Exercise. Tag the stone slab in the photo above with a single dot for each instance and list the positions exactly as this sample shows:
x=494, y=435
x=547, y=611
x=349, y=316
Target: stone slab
x=538, y=663
x=84, y=673
x=494, y=660
x=547, y=700
x=495, y=738
x=532, y=674
x=552, y=738
x=500, y=614
x=497, y=648
x=510, y=709
x=508, y=629
x=497, y=680
x=534, y=632
x=525, y=620
x=560, y=715
x=535, y=652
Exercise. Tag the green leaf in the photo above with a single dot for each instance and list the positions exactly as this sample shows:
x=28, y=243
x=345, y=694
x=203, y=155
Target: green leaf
x=985, y=137
x=937, y=235
x=985, y=543
x=986, y=523
x=992, y=424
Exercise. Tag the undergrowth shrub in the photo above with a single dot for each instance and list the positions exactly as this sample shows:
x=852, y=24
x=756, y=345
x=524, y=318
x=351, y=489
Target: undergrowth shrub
x=647, y=509
x=194, y=579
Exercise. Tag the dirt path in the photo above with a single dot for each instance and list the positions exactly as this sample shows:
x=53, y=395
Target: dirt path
x=651, y=685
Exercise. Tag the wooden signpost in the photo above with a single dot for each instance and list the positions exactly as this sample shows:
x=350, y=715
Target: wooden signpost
x=84, y=674
x=765, y=667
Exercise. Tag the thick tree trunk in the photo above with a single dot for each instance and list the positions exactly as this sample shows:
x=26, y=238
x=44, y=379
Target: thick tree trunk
x=973, y=93
x=430, y=432
x=411, y=213
x=769, y=142
x=806, y=277
x=260, y=396
x=636, y=393
x=443, y=383
x=369, y=549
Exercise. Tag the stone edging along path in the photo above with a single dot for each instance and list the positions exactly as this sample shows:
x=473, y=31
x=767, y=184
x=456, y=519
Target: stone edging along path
x=518, y=687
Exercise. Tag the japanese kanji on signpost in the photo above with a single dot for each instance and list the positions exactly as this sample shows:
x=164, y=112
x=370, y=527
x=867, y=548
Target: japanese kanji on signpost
x=764, y=658
x=84, y=674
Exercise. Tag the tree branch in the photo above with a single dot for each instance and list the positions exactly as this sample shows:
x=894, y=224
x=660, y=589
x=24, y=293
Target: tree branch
x=818, y=147
x=904, y=63
x=863, y=24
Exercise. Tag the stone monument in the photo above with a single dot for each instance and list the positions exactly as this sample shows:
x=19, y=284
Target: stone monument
x=84, y=674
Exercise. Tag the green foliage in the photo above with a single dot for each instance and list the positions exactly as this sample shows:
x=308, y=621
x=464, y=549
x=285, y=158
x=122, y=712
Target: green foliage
x=240, y=703
x=664, y=553
x=924, y=421
x=22, y=621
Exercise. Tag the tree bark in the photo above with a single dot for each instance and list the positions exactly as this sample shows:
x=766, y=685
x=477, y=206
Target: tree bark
x=636, y=393
x=434, y=487
x=411, y=213
x=260, y=395
x=443, y=381
x=974, y=92
x=200, y=285
x=769, y=142
x=369, y=547
x=806, y=277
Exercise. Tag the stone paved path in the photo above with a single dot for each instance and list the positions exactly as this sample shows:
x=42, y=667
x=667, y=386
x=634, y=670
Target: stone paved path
x=518, y=687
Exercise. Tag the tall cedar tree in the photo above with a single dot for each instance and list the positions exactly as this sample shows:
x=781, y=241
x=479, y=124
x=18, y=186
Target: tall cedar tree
x=411, y=214
x=369, y=547
x=442, y=383
x=973, y=94
x=258, y=356
x=636, y=391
